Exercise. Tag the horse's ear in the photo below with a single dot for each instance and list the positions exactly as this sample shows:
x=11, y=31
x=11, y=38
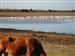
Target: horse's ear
x=11, y=39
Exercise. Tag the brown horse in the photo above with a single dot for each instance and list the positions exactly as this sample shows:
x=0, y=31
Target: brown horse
x=4, y=42
x=21, y=46
x=36, y=48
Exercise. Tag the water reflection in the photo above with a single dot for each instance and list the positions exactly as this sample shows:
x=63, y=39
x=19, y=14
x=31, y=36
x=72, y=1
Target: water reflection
x=55, y=24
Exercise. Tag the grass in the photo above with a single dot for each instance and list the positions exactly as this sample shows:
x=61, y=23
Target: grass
x=59, y=50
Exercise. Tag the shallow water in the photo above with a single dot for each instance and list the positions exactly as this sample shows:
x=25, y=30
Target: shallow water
x=47, y=24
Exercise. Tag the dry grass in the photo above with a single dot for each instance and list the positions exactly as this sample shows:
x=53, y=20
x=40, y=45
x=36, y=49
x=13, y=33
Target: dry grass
x=59, y=50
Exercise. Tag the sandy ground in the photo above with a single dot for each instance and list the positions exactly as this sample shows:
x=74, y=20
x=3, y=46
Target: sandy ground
x=23, y=14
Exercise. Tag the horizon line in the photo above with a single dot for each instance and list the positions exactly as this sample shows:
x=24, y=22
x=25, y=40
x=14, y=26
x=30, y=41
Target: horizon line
x=37, y=9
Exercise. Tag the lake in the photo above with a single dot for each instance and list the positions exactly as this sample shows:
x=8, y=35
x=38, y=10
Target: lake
x=60, y=24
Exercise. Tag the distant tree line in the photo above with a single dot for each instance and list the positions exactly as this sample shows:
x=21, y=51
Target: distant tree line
x=61, y=10
x=31, y=10
x=15, y=10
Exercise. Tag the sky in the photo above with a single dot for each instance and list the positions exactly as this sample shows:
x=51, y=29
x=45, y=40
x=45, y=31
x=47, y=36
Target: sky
x=38, y=4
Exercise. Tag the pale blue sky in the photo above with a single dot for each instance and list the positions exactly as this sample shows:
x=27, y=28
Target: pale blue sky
x=37, y=0
x=38, y=4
